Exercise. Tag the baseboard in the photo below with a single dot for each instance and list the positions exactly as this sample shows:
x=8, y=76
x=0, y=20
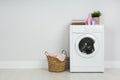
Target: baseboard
x=23, y=64
x=112, y=64
x=43, y=64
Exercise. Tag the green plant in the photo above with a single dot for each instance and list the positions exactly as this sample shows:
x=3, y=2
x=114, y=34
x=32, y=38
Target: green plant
x=96, y=14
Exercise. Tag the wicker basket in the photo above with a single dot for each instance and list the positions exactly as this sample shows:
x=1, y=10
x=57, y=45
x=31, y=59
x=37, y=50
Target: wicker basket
x=55, y=65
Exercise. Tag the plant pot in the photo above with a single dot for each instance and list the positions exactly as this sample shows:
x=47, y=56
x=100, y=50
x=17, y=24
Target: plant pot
x=97, y=20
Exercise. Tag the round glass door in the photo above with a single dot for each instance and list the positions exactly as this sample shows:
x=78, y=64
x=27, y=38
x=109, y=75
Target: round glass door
x=86, y=46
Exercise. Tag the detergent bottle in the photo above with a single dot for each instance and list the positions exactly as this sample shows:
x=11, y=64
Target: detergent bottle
x=89, y=19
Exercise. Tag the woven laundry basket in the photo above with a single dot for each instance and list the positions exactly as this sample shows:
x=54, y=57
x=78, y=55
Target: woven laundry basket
x=55, y=65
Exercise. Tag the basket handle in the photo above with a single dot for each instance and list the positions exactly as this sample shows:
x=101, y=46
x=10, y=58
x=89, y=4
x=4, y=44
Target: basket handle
x=46, y=53
x=64, y=52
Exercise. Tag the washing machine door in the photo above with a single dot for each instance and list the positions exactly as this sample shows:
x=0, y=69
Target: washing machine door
x=86, y=46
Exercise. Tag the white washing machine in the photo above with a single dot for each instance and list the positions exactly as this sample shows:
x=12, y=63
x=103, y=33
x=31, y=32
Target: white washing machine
x=86, y=48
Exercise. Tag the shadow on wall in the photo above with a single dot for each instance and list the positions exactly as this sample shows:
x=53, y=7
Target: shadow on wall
x=65, y=38
x=109, y=43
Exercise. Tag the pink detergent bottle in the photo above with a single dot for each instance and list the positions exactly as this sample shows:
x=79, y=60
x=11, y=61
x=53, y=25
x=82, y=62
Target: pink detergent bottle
x=89, y=19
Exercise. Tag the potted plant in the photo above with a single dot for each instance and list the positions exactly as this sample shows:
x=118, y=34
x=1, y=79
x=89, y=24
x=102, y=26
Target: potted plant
x=96, y=15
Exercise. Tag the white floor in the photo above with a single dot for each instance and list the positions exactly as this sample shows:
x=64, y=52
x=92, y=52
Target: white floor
x=43, y=74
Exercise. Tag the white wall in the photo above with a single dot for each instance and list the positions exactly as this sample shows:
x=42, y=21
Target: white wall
x=29, y=27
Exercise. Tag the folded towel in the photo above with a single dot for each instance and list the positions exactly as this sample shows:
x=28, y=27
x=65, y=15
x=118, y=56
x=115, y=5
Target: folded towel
x=51, y=54
x=60, y=57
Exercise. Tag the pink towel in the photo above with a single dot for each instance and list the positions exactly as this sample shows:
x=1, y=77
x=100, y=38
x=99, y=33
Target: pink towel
x=60, y=57
x=51, y=54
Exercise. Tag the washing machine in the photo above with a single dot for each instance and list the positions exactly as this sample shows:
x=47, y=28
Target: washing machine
x=86, y=48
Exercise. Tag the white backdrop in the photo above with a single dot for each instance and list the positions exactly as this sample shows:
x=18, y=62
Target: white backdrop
x=29, y=27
